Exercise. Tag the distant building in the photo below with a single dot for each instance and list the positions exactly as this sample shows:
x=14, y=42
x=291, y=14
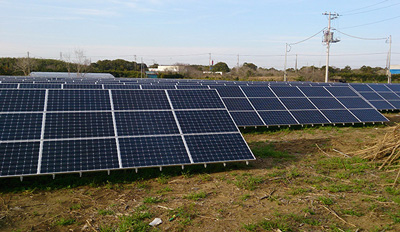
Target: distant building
x=395, y=69
x=169, y=68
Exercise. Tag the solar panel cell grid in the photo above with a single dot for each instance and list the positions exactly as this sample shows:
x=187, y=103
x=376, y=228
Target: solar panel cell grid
x=153, y=151
x=21, y=100
x=140, y=100
x=233, y=104
x=200, y=99
x=20, y=126
x=19, y=158
x=339, y=116
x=79, y=155
x=273, y=118
x=78, y=100
x=218, y=148
x=246, y=119
x=309, y=117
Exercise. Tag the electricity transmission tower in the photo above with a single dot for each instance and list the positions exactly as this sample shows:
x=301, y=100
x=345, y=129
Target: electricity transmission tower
x=328, y=39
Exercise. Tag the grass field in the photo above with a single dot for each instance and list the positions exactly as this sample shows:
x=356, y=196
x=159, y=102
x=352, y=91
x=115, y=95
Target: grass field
x=298, y=183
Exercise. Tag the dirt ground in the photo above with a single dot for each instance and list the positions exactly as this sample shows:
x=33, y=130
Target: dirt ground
x=302, y=180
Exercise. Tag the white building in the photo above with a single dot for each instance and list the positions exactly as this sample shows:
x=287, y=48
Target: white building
x=168, y=68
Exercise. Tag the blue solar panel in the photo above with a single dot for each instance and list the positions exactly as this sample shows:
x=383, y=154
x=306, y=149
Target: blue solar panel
x=379, y=87
x=19, y=158
x=361, y=87
x=287, y=91
x=339, y=116
x=228, y=91
x=140, y=100
x=381, y=105
x=21, y=100
x=342, y=91
x=389, y=96
x=396, y=104
x=82, y=86
x=78, y=125
x=8, y=86
x=233, y=104
x=246, y=119
x=258, y=92
x=20, y=126
x=192, y=86
x=199, y=99
x=395, y=88
x=78, y=100
x=273, y=118
x=369, y=115
x=267, y=104
x=218, y=148
x=354, y=103
x=315, y=92
x=297, y=103
x=153, y=151
x=205, y=121
x=327, y=103
x=40, y=86
x=145, y=123
x=121, y=86
x=79, y=155
x=309, y=117
x=158, y=87
x=371, y=96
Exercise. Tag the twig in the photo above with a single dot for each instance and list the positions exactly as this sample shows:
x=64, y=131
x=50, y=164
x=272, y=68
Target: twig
x=90, y=225
x=336, y=215
x=163, y=207
x=341, y=153
x=397, y=177
x=269, y=195
x=322, y=150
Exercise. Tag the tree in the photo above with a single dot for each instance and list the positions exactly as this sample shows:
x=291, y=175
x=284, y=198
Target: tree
x=221, y=67
x=250, y=66
x=25, y=65
x=81, y=62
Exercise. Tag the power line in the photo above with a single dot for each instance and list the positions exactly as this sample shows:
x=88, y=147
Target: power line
x=380, y=8
x=366, y=24
x=365, y=7
x=356, y=37
x=307, y=38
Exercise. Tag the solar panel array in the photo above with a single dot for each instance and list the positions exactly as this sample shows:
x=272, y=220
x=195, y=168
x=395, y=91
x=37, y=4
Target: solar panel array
x=381, y=96
x=76, y=130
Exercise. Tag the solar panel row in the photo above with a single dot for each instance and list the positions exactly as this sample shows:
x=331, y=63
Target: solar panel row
x=58, y=131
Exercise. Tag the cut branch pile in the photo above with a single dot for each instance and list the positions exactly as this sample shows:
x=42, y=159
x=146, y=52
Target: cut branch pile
x=385, y=150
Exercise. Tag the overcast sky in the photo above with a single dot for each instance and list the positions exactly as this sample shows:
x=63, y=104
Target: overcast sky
x=186, y=31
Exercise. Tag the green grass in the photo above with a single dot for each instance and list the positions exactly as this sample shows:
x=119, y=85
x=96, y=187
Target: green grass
x=153, y=200
x=184, y=215
x=326, y=200
x=245, y=197
x=248, y=182
x=65, y=222
x=267, y=150
x=75, y=207
x=164, y=190
x=352, y=212
x=137, y=221
x=196, y=196
x=105, y=212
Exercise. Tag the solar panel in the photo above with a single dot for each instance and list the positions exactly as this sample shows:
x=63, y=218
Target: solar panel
x=140, y=100
x=217, y=148
x=78, y=125
x=315, y=92
x=309, y=117
x=89, y=130
x=368, y=115
x=246, y=119
x=341, y=92
x=382, y=105
x=228, y=91
x=273, y=118
x=205, y=121
x=21, y=100
x=145, y=123
x=78, y=100
x=237, y=104
x=79, y=155
x=354, y=103
x=340, y=116
x=153, y=151
x=25, y=126
x=8, y=86
x=200, y=99
x=20, y=158
x=326, y=103
x=297, y=103
x=258, y=92
x=287, y=92
x=39, y=86
x=267, y=104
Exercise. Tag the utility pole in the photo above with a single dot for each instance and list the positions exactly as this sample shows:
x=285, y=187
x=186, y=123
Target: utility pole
x=328, y=39
x=141, y=68
x=284, y=68
x=389, y=74
x=209, y=60
x=295, y=65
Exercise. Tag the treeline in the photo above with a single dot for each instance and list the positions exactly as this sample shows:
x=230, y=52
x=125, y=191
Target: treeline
x=247, y=71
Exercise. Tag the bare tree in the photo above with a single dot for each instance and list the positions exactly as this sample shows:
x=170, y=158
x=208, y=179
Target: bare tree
x=81, y=62
x=67, y=58
x=25, y=64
